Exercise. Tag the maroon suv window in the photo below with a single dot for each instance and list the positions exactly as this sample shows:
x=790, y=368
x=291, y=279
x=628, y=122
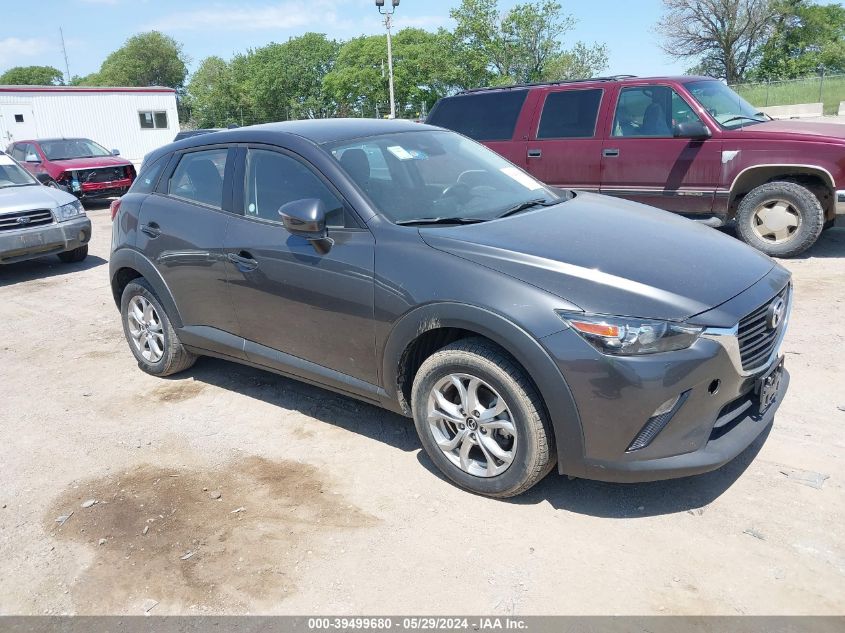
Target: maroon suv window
x=570, y=114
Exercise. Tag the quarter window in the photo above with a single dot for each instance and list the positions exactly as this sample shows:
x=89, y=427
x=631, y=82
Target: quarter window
x=153, y=120
x=570, y=114
x=199, y=177
x=484, y=116
x=650, y=111
x=274, y=179
x=146, y=180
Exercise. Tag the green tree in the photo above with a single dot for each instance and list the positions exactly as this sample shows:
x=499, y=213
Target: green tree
x=807, y=37
x=524, y=43
x=212, y=95
x=32, y=76
x=146, y=59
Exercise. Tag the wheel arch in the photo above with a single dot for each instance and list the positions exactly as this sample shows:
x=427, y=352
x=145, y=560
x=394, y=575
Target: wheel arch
x=126, y=265
x=424, y=330
x=818, y=179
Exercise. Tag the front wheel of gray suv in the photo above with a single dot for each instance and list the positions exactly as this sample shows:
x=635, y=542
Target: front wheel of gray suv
x=480, y=419
x=782, y=219
x=148, y=331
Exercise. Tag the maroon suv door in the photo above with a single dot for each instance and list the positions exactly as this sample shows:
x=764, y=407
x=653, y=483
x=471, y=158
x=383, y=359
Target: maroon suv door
x=644, y=162
x=564, y=148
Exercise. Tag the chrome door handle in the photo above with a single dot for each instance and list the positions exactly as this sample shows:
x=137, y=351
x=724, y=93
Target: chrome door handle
x=535, y=153
x=152, y=230
x=610, y=153
x=243, y=260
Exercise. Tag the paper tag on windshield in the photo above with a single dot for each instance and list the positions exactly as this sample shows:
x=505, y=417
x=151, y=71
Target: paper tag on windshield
x=400, y=152
x=6, y=160
x=522, y=178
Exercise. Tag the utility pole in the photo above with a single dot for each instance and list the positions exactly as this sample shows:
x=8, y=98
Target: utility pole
x=64, y=52
x=388, y=23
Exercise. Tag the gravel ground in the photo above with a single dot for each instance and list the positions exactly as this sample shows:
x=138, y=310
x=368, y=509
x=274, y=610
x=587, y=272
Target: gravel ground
x=231, y=490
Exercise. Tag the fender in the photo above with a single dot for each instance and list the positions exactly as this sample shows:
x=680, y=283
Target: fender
x=128, y=258
x=553, y=389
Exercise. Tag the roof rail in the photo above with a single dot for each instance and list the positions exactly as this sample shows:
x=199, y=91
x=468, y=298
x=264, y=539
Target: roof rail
x=547, y=83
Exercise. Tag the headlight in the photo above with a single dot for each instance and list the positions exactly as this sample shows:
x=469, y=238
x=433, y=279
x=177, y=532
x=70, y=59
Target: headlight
x=628, y=336
x=70, y=210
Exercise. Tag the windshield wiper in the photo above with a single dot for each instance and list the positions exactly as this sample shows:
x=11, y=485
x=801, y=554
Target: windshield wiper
x=524, y=206
x=440, y=221
x=742, y=116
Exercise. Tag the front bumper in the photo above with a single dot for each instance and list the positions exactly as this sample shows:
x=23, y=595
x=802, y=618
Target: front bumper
x=28, y=243
x=839, y=201
x=616, y=397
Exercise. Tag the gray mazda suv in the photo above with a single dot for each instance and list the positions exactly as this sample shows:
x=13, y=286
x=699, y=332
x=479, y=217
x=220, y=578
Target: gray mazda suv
x=412, y=268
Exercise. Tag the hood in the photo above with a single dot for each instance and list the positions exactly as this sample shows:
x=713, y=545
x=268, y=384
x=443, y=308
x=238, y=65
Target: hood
x=13, y=199
x=611, y=256
x=91, y=163
x=792, y=128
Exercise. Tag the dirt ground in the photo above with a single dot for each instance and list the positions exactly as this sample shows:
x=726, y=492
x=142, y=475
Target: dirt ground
x=231, y=490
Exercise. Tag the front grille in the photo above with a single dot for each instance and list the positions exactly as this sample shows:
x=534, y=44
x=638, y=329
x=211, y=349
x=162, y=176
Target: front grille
x=756, y=338
x=25, y=219
x=104, y=174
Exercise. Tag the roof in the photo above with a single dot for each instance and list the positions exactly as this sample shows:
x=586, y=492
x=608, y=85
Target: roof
x=614, y=78
x=85, y=89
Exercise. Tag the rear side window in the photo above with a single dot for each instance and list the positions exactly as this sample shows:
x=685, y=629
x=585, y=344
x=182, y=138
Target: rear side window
x=485, y=116
x=199, y=177
x=147, y=179
x=570, y=114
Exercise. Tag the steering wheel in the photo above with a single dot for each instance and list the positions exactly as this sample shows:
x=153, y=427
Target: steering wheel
x=460, y=191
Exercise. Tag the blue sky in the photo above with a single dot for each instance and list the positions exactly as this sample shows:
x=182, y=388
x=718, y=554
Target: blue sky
x=94, y=28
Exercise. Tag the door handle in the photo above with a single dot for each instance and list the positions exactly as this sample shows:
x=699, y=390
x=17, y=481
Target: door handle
x=535, y=153
x=243, y=260
x=152, y=229
x=610, y=153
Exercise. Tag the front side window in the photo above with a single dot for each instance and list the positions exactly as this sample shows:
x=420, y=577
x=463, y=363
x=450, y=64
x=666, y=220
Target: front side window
x=651, y=111
x=570, y=114
x=153, y=120
x=436, y=174
x=274, y=179
x=199, y=177
x=727, y=107
x=72, y=148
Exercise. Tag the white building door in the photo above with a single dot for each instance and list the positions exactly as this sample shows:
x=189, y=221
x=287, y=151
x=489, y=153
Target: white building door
x=16, y=124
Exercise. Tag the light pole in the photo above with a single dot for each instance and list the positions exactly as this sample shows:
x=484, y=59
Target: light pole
x=388, y=22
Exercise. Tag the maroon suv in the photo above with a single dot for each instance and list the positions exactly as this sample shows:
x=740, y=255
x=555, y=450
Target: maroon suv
x=685, y=144
x=78, y=165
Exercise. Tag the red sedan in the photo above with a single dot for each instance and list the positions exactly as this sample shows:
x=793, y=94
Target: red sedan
x=78, y=165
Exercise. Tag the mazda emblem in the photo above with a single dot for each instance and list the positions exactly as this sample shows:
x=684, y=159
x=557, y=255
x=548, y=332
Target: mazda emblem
x=774, y=315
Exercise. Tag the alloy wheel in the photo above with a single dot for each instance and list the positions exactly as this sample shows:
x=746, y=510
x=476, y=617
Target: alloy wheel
x=472, y=424
x=145, y=328
x=776, y=221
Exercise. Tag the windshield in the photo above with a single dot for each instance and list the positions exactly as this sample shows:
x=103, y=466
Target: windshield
x=73, y=148
x=435, y=175
x=727, y=107
x=13, y=175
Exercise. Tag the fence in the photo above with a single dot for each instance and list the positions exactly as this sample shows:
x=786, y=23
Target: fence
x=827, y=89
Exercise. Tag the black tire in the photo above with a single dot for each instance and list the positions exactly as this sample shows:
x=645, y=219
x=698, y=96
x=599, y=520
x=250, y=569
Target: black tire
x=810, y=212
x=76, y=255
x=534, y=455
x=175, y=357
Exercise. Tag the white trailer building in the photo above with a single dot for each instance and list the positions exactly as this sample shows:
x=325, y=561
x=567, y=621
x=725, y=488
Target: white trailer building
x=132, y=120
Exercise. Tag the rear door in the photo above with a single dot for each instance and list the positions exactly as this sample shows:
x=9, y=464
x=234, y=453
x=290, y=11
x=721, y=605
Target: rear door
x=181, y=230
x=644, y=162
x=564, y=149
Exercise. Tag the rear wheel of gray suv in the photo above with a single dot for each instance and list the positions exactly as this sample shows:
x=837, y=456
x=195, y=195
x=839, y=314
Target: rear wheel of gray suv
x=148, y=331
x=76, y=255
x=480, y=419
x=782, y=219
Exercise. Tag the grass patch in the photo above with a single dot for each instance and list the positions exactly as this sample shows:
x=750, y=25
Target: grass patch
x=830, y=91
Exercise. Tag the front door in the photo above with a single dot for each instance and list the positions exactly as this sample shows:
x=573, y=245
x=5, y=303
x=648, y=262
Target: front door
x=564, y=149
x=289, y=298
x=181, y=229
x=644, y=162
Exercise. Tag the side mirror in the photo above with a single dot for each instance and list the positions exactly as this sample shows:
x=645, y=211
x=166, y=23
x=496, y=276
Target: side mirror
x=695, y=130
x=307, y=218
x=32, y=158
x=115, y=152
